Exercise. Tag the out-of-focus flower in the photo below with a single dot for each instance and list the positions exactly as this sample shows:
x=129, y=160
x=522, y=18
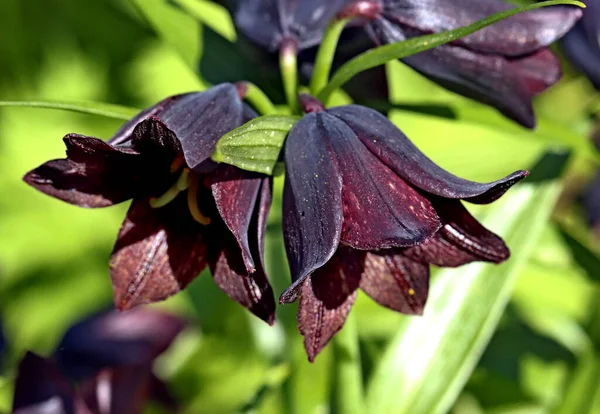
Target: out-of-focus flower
x=271, y=22
x=169, y=236
x=109, y=357
x=504, y=65
x=591, y=204
x=363, y=207
x=582, y=43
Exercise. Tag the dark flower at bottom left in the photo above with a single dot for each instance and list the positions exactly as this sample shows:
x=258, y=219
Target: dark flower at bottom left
x=188, y=212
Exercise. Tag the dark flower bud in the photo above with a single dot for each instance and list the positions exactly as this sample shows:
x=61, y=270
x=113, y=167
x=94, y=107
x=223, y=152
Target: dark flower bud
x=363, y=207
x=187, y=211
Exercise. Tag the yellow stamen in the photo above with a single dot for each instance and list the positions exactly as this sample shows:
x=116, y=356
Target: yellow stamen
x=192, y=199
x=177, y=163
x=411, y=292
x=173, y=192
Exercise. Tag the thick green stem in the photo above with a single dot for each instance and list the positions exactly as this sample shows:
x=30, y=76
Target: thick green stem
x=288, y=62
x=325, y=55
x=349, y=390
x=257, y=98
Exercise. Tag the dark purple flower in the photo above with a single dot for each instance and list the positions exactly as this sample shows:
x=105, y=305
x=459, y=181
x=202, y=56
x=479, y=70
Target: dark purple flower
x=591, y=204
x=271, y=22
x=504, y=65
x=169, y=236
x=109, y=357
x=363, y=207
x=582, y=43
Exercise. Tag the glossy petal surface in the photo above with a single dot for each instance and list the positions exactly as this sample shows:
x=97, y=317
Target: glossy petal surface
x=326, y=299
x=461, y=240
x=396, y=281
x=515, y=36
x=380, y=209
x=157, y=253
x=115, y=339
x=312, y=202
x=235, y=192
x=392, y=147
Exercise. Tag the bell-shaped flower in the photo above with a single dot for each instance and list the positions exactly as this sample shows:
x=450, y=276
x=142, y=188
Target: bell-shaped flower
x=187, y=211
x=364, y=208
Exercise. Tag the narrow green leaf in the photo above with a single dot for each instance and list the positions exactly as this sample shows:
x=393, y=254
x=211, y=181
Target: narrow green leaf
x=431, y=357
x=255, y=146
x=212, y=15
x=92, y=108
x=383, y=54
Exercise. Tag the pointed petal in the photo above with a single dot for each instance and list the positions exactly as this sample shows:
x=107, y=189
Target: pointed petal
x=392, y=147
x=200, y=119
x=40, y=388
x=95, y=174
x=251, y=290
x=235, y=192
x=114, y=339
x=380, y=209
x=396, y=281
x=327, y=297
x=157, y=253
x=312, y=202
x=518, y=35
x=461, y=240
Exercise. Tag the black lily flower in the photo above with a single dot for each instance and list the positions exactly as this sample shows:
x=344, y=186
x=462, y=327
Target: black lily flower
x=504, y=65
x=363, y=207
x=168, y=236
x=109, y=357
x=582, y=43
x=270, y=23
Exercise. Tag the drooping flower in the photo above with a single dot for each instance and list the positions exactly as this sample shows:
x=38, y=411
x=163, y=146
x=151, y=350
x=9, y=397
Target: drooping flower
x=582, y=43
x=270, y=23
x=364, y=208
x=503, y=65
x=109, y=357
x=169, y=236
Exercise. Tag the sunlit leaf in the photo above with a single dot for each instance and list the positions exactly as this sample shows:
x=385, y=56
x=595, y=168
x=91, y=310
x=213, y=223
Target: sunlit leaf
x=92, y=108
x=212, y=15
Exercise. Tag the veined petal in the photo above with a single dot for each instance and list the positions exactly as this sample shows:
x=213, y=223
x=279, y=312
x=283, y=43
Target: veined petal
x=518, y=35
x=461, y=240
x=235, y=192
x=392, y=147
x=115, y=339
x=157, y=253
x=380, y=209
x=396, y=281
x=312, y=202
x=95, y=174
x=327, y=297
x=200, y=119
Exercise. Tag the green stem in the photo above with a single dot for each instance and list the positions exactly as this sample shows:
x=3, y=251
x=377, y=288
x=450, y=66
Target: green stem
x=325, y=55
x=349, y=390
x=259, y=100
x=288, y=62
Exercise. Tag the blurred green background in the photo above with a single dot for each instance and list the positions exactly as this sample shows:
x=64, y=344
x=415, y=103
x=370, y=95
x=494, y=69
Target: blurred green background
x=541, y=309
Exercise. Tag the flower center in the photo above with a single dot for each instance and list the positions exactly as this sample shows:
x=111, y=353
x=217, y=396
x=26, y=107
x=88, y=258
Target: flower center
x=187, y=181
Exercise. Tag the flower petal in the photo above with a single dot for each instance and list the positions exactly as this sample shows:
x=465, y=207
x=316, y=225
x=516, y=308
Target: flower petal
x=40, y=388
x=115, y=339
x=392, y=147
x=584, y=51
x=95, y=174
x=327, y=297
x=396, y=281
x=518, y=35
x=200, y=119
x=461, y=240
x=157, y=253
x=380, y=209
x=235, y=192
x=312, y=202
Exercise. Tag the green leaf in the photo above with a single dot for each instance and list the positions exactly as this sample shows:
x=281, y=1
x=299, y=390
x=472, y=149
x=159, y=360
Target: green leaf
x=383, y=54
x=431, y=357
x=92, y=108
x=212, y=15
x=255, y=146
x=176, y=27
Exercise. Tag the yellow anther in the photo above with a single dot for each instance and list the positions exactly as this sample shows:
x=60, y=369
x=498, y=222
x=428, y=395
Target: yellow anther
x=411, y=292
x=170, y=195
x=192, y=199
